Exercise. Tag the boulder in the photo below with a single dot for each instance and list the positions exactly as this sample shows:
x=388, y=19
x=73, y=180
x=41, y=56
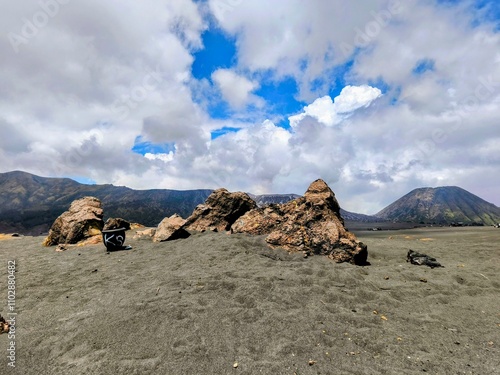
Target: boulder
x=115, y=223
x=220, y=211
x=170, y=228
x=81, y=221
x=310, y=224
x=144, y=234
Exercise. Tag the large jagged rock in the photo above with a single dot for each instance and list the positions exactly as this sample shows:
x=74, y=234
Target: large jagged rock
x=81, y=221
x=220, y=211
x=311, y=223
x=170, y=228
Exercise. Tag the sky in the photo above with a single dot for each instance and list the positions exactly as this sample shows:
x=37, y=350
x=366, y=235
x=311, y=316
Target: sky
x=376, y=97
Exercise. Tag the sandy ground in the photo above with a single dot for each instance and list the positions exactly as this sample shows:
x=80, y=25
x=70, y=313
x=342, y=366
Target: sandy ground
x=220, y=304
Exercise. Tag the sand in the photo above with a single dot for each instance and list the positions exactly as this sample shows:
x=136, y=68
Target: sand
x=220, y=304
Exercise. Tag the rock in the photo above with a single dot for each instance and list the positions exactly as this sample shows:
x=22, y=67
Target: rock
x=134, y=226
x=4, y=325
x=220, y=211
x=421, y=259
x=61, y=248
x=81, y=221
x=115, y=223
x=171, y=228
x=144, y=234
x=311, y=224
x=259, y=220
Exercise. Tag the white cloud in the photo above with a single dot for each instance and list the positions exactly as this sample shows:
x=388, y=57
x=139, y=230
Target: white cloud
x=330, y=112
x=355, y=97
x=236, y=89
x=160, y=156
x=77, y=95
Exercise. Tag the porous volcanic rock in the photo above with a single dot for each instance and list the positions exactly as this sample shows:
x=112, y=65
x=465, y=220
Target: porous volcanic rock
x=311, y=223
x=81, y=221
x=115, y=223
x=170, y=228
x=220, y=211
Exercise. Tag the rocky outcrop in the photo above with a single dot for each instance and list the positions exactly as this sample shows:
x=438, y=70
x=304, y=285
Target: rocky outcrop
x=311, y=224
x=170, y=228
x=115, y=223
x=220, y=211
x=81, y=221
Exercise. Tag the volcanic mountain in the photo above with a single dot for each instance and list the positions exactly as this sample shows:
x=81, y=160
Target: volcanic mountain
x=441, y=205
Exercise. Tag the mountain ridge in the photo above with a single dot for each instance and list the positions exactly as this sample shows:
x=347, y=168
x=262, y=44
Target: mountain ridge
x=29, y=204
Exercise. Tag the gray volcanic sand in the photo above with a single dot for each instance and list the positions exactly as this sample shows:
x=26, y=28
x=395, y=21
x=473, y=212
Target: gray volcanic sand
x=200, y=305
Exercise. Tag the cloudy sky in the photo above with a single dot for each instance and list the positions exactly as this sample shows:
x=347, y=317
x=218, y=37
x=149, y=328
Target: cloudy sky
x=377, y=97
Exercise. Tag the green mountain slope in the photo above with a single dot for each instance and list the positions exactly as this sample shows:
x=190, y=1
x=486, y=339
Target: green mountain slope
x=30, y=204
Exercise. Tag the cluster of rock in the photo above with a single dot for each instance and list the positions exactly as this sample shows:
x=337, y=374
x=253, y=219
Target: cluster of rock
x=82, y=224
x=311, y=224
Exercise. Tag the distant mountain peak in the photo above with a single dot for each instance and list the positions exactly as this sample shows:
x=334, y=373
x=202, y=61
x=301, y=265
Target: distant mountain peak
x=441, y=205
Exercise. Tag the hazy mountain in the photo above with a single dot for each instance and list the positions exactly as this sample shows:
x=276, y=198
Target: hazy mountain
x=30, y=204
x=442, y=205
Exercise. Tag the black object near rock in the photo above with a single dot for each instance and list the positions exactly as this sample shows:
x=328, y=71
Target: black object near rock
x=114, y=239
x=422, y=259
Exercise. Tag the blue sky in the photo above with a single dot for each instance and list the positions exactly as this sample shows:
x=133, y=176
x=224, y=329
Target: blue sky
x=377, y=97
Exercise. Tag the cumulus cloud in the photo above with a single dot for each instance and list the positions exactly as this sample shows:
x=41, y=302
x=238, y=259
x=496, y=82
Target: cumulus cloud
x=330, y=112
x=80, y=87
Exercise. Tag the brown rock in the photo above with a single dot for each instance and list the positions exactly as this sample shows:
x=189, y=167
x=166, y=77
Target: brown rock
x=259, y=220
x=81, y=221
x=220, y=211
x=171, y=228
x=115, y=223
x=311, y=223
x=145, y=234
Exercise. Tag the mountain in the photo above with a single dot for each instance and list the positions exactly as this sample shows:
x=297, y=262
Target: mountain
x=360, y=218
x=29, y=204
x=442, y=205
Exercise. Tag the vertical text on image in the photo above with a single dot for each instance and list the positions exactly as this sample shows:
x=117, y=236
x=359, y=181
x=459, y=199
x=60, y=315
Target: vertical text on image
x=11, y=313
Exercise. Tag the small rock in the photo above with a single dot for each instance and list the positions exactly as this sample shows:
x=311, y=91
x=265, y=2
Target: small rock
x=61, y=248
